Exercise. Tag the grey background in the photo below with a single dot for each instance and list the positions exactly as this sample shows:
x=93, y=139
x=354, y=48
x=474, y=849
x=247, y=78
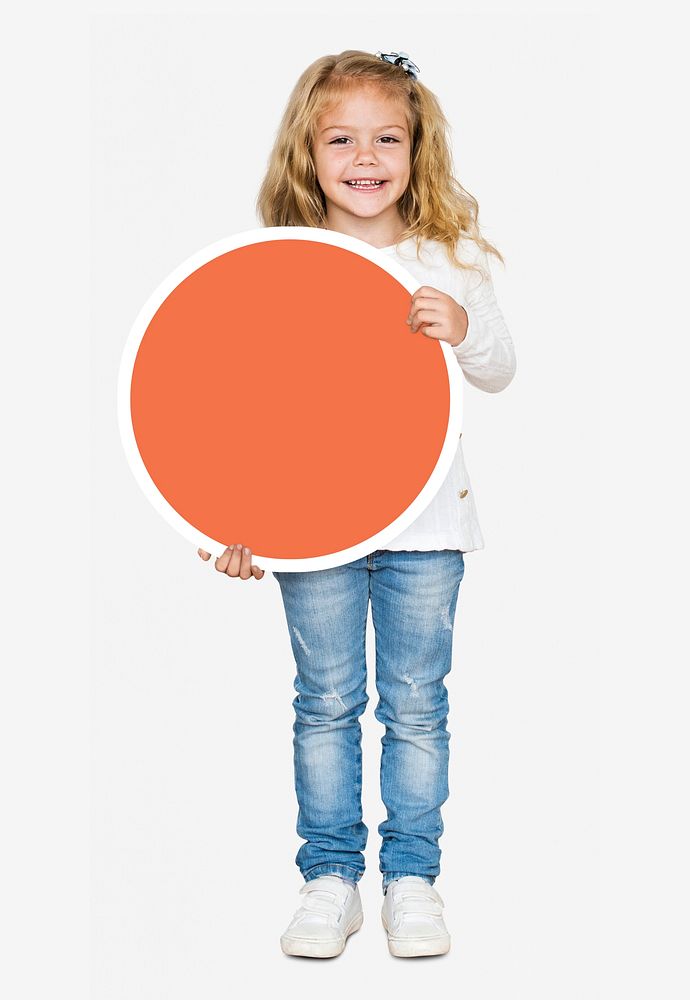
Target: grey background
x=193, y=810
x=536, y=665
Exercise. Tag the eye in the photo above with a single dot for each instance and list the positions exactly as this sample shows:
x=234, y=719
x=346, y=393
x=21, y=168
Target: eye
x=334, y=142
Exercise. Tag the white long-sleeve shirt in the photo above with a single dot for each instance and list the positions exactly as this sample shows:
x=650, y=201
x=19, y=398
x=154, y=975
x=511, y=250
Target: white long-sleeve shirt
x=487, y=359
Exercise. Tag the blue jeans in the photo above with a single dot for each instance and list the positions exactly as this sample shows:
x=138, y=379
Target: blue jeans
x=413, y=599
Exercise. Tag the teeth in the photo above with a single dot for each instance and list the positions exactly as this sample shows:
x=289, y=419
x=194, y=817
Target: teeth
x=365, y=183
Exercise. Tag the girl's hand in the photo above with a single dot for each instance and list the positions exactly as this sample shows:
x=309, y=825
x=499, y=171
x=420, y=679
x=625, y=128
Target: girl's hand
x=438, y=315
x=235, y=561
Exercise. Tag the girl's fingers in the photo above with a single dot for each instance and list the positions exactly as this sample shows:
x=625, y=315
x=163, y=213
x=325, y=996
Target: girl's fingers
x=425, y=317
x=204, y=554
x=236, y=562
x=427, y=296
x=425, y=314
x=418, y=310
x=246, y=564
x=223, y=560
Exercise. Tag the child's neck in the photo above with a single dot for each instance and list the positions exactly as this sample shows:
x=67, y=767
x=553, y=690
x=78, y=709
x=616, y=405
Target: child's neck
x=384, y=235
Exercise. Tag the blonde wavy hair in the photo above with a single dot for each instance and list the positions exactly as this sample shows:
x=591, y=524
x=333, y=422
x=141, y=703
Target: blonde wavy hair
x=435, y=206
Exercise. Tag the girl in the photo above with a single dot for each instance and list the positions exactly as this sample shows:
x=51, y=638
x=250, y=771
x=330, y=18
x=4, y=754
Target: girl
x=362, y=149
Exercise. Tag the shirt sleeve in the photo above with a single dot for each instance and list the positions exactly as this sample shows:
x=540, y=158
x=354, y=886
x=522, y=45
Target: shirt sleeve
x=487, y=354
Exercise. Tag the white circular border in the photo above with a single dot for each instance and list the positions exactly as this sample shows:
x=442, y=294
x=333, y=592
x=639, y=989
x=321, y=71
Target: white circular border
x=146, y=314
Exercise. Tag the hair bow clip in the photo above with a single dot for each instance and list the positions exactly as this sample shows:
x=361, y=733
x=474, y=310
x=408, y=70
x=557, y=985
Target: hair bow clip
x=400, y=59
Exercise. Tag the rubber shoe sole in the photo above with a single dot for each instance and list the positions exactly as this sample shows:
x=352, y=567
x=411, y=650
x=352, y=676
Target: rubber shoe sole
x=416, y=947
x=318, y=948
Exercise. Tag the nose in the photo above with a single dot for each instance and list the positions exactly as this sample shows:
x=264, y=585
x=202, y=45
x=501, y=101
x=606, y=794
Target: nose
x=365, y=154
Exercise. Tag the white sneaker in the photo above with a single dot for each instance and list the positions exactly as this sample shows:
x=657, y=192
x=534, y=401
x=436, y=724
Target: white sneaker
x=413, y=919
x=331, y=911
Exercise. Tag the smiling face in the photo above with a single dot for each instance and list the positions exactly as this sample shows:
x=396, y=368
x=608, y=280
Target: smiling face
x=364, y=137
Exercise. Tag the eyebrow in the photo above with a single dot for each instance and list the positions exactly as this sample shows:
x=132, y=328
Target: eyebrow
x=352, y=128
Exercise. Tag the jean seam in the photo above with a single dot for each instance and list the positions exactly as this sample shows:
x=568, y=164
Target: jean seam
x=332, y=866
x=388, y=877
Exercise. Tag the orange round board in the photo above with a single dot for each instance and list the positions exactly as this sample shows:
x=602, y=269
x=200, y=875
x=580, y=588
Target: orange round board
x=271, y=393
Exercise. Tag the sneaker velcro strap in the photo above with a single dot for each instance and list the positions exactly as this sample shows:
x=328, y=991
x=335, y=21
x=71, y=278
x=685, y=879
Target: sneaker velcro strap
x=428, y=895
x=323, y=910
x=322, y=900
x=426, y=906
